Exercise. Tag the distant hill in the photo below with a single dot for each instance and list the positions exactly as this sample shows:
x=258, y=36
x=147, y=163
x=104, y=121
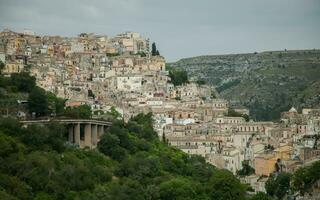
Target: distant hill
x=267, y=83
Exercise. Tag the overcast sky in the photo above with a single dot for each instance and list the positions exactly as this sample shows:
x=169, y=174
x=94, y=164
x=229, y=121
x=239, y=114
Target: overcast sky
x=181, y=28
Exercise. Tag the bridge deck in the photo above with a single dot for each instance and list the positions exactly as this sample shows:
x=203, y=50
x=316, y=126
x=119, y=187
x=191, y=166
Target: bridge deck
x=67, y=121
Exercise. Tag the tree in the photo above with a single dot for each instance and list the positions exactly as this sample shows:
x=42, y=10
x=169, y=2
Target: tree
x=91, y=94
x=233, y=113
x=38, y=102
x=279, y=185
x=177, y=188
x=79, y=112
x=8, y=145
x=6, y=196
x=1, y=66
x=55, y=104
x=114, y=113
x=142, y=126
x=141, y=167
x=154, y=51
x=110, y=146
x=178, y=77
x=223, y=185
x=23, y=81
x=50, y=137
x=261, y=196
x=15, y=187
x=246, y=169
x=305, y=177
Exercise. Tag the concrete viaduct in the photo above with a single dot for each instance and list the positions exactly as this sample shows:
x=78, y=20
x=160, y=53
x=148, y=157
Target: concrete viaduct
x=81, y=132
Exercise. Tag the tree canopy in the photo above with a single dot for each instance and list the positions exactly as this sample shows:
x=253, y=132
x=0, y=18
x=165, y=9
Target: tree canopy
x=233, y=113
x=278, y=185
x=80, y=112
x=178, y=77
x=246, y=169
x=154, y=51
x=305, y=177
x=38, y=102
x=1, y=66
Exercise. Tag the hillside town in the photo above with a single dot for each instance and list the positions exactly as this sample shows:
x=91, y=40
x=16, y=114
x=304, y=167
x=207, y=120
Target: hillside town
x=122, y=72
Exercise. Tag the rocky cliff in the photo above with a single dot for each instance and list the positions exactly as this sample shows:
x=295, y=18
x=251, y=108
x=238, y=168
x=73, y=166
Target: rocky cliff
x=267, y=83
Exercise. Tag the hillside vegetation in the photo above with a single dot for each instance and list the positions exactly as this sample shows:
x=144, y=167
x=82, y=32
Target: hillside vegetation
x=37, y=163
x=267, y=83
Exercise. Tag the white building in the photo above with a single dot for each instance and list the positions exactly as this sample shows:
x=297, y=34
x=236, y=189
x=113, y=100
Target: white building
x=129, y=83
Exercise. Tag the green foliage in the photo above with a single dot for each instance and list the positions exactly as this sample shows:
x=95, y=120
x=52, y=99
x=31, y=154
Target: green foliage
x=50, y=138
x=154, y=51
x=142, y=126
x=278, y=186
x=112, y=54
x=114, y=113
x=141, y=53
x=38, y=101
x=178, y=188
x=150, y=163
x=1, y=66
x=5, y=82
x=223, y=185
x=34, y=166
x=246, y=169
x=18, y=86
x=133, y=164
x=91, y=94
x=6, y=196
x=305, y=177
x=23, y=81
x=55, y=104
x=15, y=187
x=79, y=112
x=178, y=77
x=8, y=145
x=110, y=146
x=201, y=82
x=141, y=167
x=228, y=85
x=261, y=196
x=233, y=113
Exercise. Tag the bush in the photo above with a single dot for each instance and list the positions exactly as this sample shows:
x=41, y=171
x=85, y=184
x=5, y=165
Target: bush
x=79, y=112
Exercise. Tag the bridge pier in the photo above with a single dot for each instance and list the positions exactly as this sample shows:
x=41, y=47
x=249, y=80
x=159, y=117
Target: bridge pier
x=100, y=131
x=71, y=135
x=92, y=129
x=94, y=135
x=77, y=134
x=87, y=135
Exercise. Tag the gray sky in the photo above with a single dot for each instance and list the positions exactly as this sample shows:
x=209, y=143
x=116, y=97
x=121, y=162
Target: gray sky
x=181, y=28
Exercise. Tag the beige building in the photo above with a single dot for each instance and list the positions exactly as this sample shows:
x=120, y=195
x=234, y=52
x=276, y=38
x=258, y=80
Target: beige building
x=13, y=67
